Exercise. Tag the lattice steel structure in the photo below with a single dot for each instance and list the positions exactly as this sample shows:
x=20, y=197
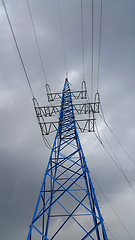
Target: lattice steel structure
x=86, y=124
x=67, y=206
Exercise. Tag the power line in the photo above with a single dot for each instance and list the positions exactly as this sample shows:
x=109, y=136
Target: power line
x=111, y=234
x=92, y=54
x=28, y=81
x=121, y=144
x=107, y=201
x=99, y=46
x=82, y=38
x=62, y=37
x=120, y=169
x=105, y=198
x=103, y=117
x=111, y=149
x=36, y=41
x=46, y=141
x=112, y=209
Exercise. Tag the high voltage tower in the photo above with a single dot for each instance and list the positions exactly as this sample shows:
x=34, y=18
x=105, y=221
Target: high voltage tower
x=67, y=207
x=67, y=201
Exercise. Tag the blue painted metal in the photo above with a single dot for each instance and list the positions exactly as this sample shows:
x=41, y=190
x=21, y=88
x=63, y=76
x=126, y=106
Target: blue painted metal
x=67, y=199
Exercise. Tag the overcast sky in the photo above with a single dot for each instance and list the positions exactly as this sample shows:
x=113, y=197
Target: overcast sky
x=23, y=154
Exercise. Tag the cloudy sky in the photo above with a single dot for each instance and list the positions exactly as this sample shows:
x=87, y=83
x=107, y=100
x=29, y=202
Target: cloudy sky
x=23, y=154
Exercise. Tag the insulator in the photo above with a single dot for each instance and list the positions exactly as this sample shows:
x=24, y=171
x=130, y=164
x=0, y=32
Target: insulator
x=84, y=91
x=97, y=97
x=48, y=91
x=35, y=102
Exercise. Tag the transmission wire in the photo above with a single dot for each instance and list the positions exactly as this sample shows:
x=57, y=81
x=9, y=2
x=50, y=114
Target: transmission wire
x=99, y=46
x=82, y=38
x=112, y=208
x=62, y=37
x=92, y=54
x=28, y=81
x=118, y=165
x=46, y=141
x=36, y=41
x=111, y=149
x=111, y=234
x=99, y=138
x=131, y=186
x=115, y=135
x=120, y=143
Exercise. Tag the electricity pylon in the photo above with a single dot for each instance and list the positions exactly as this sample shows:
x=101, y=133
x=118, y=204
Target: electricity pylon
x=67, y=206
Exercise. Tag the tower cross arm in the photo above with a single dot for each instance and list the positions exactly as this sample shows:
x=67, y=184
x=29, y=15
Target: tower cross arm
x=74, y=94
x=81, y=108
x=83, y=125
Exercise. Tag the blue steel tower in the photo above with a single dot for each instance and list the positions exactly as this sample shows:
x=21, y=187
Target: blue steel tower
x=67, y=206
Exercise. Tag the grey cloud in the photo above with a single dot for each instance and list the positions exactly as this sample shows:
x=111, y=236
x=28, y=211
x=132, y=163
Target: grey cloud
x=23, y=155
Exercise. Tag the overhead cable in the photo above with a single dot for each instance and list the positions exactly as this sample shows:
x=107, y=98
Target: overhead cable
x=62, y=38
x=131, y=186
x=112, y=209
x=82, y=38
x=120, y=143
x=101, y=191
x=103, y=117
x=28, y=81
x=47, y=142
x=36, y=41
x=92, y=53
x=111, y=234
x=99, y=46
x=111, y=148
x=110, y=206
x=45, y=139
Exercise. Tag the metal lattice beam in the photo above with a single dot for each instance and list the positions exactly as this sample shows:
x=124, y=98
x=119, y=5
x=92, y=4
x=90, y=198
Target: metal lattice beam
x=82, y=108
x=67, y=197
x=83, y=125
x=75, y=95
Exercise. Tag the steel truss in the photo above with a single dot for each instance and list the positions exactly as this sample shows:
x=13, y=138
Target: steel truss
x=83, y=125
x=67, y=206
